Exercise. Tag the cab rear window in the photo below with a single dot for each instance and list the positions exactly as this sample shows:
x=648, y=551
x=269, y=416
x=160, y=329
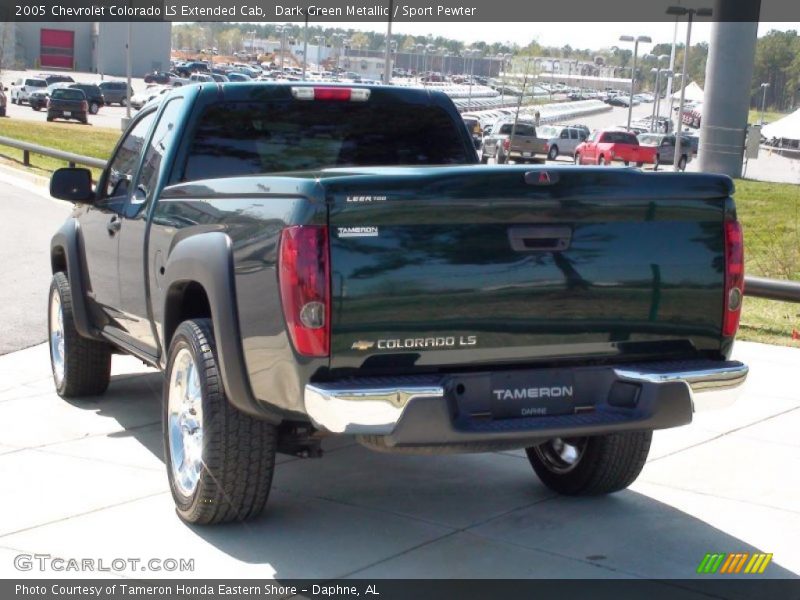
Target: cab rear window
x=247, y=138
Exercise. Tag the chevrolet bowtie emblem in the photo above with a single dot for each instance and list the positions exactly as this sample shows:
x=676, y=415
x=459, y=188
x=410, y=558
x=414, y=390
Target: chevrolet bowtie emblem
x=362, y=345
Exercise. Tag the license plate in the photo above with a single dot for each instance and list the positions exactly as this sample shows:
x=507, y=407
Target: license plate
x=527, y=154
x=538, y=394
x=67, y=113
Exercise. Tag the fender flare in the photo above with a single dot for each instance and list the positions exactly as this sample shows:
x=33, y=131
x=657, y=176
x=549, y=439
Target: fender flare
x=206, y=259
x=65, y=250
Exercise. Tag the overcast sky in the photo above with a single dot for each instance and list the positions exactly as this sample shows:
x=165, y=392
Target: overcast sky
x=577, y=35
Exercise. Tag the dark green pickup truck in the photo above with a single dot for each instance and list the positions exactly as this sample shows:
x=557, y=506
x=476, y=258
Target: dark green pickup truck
x=304, y=261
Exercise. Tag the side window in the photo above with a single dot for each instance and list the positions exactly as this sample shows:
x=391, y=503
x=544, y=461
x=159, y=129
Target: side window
x=113, y=190
x=565, y=134
x=151, y=166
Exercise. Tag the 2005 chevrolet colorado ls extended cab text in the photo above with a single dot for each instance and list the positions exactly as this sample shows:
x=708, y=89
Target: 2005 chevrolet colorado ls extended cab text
x=301, y=261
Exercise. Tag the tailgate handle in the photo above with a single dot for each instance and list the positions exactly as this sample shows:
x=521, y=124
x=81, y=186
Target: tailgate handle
x=549, y=238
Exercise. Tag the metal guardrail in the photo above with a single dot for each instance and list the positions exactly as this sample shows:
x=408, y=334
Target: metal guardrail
x=759, y=287
x=772, y=289
x=68, y=157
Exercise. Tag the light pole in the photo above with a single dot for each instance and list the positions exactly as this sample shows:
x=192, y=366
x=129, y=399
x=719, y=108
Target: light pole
x=387, y=59
x=471, y=53
x=320, y=39
x=671, y=99
x=419, y=48
x=667, y=73
x=679, y=11
x=629, y=38
x=764, y=87
x=281, y=31
x=657, y=70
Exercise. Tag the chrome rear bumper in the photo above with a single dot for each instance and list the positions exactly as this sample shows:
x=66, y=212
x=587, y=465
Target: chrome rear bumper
x=670, y=392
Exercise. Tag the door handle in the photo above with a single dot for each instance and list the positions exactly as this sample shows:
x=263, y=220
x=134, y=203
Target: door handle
x=540, y=239
x=114, y=225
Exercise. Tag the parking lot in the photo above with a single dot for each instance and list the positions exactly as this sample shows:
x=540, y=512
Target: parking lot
x=87, y=479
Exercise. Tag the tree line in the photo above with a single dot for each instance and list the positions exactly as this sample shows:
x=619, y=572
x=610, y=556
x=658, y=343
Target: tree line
x=777, y=60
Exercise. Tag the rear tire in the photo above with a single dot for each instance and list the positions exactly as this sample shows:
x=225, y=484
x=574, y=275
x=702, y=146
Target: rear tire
x=591, y=466
x=682, y=163
x=219, y=460
x=80, y=366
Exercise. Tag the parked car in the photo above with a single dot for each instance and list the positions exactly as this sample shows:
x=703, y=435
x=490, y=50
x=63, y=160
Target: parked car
x=526, y=145
x=475, y=129
x=186, y=69
x=23, y=87
x=3, y=101
x=561, y=140
x=449, y=308
x=67, y=103
x=606, y=146
x=167, y=78
x=236, y=76
x=219, y=78
x=201, y=78
x=38, y=99
x=52, y=78
x=115, y=92
x=139, y=99
x=664, y=149
x=94, y=95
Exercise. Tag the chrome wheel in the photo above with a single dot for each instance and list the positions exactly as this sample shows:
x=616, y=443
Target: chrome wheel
x=561, y=455
x=184, y=422
x=56, y=323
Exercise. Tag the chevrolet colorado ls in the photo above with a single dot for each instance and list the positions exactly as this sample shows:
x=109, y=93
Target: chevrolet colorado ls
x=300, y=261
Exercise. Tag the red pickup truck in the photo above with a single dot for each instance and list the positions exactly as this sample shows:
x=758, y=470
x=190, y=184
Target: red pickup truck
x=606, y=146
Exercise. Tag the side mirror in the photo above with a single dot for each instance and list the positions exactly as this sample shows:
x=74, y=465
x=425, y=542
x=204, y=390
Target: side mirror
x=477, y=142
x=72, y=184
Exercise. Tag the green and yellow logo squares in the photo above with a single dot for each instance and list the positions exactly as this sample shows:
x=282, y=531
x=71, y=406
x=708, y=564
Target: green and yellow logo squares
x=734, y=562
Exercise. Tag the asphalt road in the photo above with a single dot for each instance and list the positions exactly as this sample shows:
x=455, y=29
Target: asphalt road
x=28, y=219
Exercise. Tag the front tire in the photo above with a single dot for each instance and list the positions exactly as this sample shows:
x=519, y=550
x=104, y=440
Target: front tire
x=591, y=466
x=553, y=153
x=601, y=161
x=219, y=461
x=682, y=163
x=578, y=158
x=94, y=108
x=81, y=366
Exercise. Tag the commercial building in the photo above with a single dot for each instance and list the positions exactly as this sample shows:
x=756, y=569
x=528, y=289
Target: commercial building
x=86, y=46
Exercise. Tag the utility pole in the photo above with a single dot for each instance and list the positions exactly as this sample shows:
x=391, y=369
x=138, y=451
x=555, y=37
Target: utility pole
x=690, y=12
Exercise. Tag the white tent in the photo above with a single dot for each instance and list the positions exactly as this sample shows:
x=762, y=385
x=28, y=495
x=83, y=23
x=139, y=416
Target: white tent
x=788, y=127
x=693, y=92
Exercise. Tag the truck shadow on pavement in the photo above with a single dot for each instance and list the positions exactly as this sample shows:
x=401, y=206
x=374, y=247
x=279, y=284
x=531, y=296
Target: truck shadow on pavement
x=366, y=514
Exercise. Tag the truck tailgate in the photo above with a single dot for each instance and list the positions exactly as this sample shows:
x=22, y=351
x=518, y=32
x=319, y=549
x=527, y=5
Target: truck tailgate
x=465, y=266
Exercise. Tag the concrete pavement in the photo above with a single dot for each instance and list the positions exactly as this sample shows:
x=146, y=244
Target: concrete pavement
x=29, y=218
x=85, y=479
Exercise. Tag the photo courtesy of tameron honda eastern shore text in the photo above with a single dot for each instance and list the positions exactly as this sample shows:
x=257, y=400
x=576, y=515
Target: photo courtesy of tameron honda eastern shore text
x=306, y=260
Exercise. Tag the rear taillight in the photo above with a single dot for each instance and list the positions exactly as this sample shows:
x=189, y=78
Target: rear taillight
x=506, y=144
x=304, y=278
x=84, y=105
x=734, y=278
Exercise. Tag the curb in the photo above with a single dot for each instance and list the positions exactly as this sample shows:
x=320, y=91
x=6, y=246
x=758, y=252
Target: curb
x=37, y=180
